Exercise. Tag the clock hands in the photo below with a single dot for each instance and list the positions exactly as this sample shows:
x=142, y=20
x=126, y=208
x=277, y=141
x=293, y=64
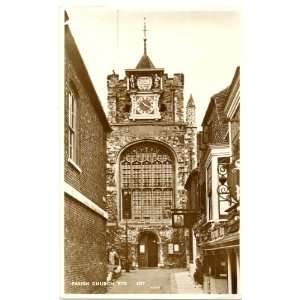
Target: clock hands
x=145, y=104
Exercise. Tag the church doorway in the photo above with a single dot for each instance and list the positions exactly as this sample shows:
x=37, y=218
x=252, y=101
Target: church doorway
x=148, y=250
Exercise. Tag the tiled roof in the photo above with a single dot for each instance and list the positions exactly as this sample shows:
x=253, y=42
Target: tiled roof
x=220, y=101
x=145, y=63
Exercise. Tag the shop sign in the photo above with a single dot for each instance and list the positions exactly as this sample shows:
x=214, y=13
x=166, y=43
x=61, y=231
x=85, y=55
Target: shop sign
x=217, y=233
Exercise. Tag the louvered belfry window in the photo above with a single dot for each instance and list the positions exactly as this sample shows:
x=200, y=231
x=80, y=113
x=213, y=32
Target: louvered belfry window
x=147, y=175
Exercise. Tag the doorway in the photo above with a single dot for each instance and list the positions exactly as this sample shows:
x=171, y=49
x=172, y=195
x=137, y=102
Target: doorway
x=233, y=272
x=148, y=250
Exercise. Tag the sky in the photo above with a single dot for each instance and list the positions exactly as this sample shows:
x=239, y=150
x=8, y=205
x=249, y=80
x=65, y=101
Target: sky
x=204, y=46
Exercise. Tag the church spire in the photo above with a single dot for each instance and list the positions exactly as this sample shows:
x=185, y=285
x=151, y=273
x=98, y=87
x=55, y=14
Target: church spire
x=145, y=38
x=191, y=102
x=191, y=112
x=145, y=61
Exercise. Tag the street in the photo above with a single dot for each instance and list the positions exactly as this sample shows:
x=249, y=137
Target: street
x=154, y=281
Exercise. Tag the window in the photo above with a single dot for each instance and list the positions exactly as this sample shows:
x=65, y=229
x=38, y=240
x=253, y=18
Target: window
x=221, y=265
x=147, y=173
x=173, y=248
x=72, y=128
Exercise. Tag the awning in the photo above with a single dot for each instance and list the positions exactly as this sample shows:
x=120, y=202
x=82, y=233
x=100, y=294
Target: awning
x=229, y=241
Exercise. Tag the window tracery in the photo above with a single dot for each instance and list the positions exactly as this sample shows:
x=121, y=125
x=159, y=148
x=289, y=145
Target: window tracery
x=147, y=173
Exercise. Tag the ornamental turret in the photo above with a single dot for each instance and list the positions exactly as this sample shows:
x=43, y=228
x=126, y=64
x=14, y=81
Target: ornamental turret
x=191, y=112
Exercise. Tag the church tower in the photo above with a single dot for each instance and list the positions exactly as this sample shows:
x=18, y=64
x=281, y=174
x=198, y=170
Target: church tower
x=149, y=151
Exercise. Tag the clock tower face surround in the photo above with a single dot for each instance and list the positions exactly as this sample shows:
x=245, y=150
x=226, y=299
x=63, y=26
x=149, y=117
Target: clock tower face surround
x=144, y=91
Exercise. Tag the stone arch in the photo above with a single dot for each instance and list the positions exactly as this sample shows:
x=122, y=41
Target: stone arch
x=148, y=231
x=154, y=143
x=164, y=144
x=148, y=249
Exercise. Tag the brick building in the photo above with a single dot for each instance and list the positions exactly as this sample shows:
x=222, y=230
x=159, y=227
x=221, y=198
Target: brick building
x=213, y=189
x=85, y=130
x=151, y=149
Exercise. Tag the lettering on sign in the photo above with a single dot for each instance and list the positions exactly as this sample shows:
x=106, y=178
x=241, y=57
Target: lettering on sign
x=217, y=233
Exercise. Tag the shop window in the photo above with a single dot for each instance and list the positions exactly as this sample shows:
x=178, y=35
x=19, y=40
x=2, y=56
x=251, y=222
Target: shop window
x=221, y=266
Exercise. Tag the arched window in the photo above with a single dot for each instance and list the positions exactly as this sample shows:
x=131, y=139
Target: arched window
x=147, y=175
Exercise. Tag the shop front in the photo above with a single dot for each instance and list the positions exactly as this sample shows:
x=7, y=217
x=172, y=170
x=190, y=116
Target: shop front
x=221, y=261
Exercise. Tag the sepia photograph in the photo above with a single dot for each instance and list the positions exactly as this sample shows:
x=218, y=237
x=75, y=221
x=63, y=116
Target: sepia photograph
x=122, y=141
x=151, y=159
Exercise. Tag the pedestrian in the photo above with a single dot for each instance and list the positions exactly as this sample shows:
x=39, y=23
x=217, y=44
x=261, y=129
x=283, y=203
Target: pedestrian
x=111, y=264
x=198, y=274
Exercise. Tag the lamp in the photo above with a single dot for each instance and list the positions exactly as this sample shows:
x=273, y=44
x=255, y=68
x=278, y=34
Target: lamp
x=126, y=250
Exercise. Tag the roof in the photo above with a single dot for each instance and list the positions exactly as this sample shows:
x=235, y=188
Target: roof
x=218, y=101
x=232, y=88
x=191, y=102
x=145, y=63
x=235, y=77
x=195, y=172
x=71, y=50
x=66, y=17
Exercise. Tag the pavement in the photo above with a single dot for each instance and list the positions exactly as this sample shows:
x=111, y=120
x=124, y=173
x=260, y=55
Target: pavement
x=184, y=284
x=155, y=281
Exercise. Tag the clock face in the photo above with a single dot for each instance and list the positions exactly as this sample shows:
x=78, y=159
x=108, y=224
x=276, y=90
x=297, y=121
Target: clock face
x=145, y=105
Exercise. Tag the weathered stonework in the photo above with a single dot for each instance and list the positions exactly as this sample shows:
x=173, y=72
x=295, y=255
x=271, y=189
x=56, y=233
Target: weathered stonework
x=172, y=131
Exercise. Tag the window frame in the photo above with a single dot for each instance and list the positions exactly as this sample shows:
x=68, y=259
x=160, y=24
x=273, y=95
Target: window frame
x=73, y=136
x=156, y=176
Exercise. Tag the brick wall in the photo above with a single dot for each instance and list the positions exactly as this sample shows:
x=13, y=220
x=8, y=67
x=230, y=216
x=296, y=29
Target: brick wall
x=84, y=230
x=92, y=144
x=85, y=254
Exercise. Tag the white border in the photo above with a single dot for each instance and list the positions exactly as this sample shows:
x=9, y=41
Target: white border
x=152, y=296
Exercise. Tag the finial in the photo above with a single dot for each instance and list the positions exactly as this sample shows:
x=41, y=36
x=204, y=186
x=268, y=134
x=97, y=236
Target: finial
x=145, y=38
x=191, y=102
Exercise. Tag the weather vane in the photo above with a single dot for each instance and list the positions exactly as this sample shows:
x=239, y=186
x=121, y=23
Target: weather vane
x=145, y=38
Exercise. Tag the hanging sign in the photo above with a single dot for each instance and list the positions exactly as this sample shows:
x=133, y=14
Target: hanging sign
x=178, y=220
